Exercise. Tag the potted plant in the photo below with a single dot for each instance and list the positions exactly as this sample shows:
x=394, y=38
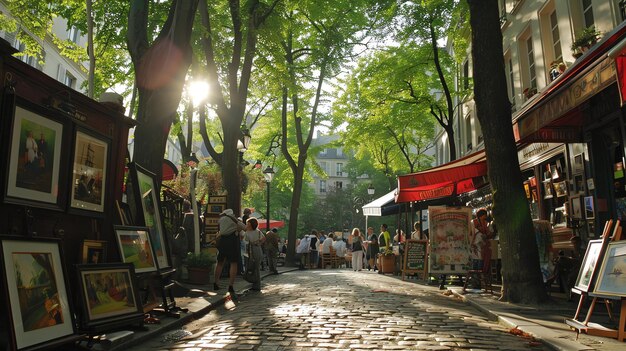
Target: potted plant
x=529, y=92
x=388, y=261
x=199, y=267
x=557, y=68
x=584, y=40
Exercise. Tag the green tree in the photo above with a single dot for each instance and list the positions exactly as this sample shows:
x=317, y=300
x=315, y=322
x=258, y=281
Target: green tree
x=521, y=275
x=311, y=43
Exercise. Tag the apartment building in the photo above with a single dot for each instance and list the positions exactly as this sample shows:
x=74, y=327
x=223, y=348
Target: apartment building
x=332, y=160
x=51, y=62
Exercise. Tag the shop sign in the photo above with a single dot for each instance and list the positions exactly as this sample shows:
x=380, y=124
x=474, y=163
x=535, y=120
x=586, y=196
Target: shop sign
x=534, y=150
x=563, y=135
x=596, y=79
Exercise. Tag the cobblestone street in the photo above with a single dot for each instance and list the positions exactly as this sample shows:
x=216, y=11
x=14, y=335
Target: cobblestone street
x=344, y=310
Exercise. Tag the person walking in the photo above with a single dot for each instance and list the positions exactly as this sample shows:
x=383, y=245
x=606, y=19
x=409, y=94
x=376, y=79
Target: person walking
x=372, y=249
x=255, y=239
x=228, y=248
x=357, y=250
x=313, y=251
x=271, y=247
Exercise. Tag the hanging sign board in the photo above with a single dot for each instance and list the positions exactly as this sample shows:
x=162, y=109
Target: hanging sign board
x=449, y=229
x=415, y=258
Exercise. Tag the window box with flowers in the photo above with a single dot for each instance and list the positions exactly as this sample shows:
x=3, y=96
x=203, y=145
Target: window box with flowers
x=584, y=40
x=529, y=92
x=556, y=69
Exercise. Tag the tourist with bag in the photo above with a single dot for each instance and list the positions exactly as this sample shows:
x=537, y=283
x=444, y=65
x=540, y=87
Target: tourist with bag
x=255, y=238
x=357, y=250
x=228, y=248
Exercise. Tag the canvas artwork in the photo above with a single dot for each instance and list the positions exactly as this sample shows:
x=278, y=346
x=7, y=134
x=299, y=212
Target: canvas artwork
x=108, y=292
x=590, y=261
x=89, y=172
x=576, y=207
x=612, y=276
x=547, y=190
x=449, y=229
x=560, y=188
x=149, y=201
x=136, y=248
x=94, y=252
x=35, y=157
x=589, y=207
x=39, y=305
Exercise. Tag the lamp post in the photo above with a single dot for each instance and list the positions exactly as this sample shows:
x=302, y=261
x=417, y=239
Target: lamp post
x=370, y=191
x=268, y=173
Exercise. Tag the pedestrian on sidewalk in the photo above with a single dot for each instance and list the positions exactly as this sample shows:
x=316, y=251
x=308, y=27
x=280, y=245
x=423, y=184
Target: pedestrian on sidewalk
x=314, y=249
x=255, y=239
x=228, y=248
x=271, y=247
x=357, y=250
x=372, y=249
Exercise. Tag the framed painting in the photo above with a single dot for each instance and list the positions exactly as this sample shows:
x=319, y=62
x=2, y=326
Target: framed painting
x=576, y=207
x=589, y=207
x=108, y=295
x=38, y=301
x=136, y=248
x=149, y=212
x=89, y=176
x=35, y=159
x=577, y=166
x=560, y=188
x=93, y=252
x=547, y=190
x=612, y=276
x=593, y=255
x=527, y=189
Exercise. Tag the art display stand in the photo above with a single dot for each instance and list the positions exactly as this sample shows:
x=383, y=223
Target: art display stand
x=168, y=304
x=596, y=329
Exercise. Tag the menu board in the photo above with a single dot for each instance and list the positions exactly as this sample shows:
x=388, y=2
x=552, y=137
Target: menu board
x=449, y=229
x=415, y=257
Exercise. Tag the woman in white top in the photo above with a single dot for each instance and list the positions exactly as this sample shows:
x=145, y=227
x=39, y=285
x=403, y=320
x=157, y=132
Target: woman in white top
x=255, y=239
x=357, y=250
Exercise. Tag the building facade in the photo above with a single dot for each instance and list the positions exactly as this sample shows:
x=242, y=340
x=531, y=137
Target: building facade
x=51, y=62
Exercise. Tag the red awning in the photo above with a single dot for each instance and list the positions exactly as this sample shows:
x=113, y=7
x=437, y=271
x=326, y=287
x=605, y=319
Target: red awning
x=453, y=178
x=273, y=224
x=169, y=170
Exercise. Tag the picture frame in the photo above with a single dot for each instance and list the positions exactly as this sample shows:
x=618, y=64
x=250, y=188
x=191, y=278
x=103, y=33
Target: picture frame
x=136, y=247
x=89, y=171
x=589, y=207
x=123, y=213
x=35, y=165
x=216, y=208
x=149, y=212
x=527, y=189
x=577, y=166
x=588, y=268
x=38, y=300
x=547, y=190
x=560, y=188
x=576, y=207
x=217, y=199
x=612, y=271
x=109, y=297
x=579, y=183
x=93, y=252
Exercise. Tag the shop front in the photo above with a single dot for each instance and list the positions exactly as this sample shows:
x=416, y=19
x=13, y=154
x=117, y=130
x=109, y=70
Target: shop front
x=572, y=157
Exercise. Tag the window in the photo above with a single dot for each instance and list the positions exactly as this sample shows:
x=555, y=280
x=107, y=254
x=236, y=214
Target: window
x=509, y=66
x=323, y=152
x=323, y=166
x=468, y=132
x=531, y=63
x=73, y=34
x=588, y=13
x=466, y=74
x=339, y=185
x=69, y=80
x=339, y=152
x=556, y=38
x=339, y=169
x=322, y=186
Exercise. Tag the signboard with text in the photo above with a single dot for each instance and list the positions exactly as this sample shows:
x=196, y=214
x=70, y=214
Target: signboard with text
x=449, y=229
x=415, y=258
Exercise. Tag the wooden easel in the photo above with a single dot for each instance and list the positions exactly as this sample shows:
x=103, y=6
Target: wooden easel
x=415, y=259
x=594, y=328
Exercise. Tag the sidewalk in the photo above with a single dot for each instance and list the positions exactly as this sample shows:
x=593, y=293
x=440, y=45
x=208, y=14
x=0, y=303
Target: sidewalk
x=545, y=323
x=197, y=300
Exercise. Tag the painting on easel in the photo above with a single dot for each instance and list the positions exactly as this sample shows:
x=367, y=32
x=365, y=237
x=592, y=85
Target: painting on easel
x=612, y=277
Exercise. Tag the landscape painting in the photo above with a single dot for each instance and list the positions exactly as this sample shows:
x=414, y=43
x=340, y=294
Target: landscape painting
x=612, y=277
x=590, y=261
x=135, y=248
x=37, y=295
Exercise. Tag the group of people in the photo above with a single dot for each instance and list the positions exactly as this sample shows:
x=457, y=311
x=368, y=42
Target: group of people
x=363, y=248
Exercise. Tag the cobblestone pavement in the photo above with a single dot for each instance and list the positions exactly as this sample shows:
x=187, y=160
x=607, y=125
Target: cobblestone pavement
x=344, y=310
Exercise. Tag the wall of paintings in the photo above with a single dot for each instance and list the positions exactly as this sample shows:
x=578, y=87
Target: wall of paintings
x=63, y=159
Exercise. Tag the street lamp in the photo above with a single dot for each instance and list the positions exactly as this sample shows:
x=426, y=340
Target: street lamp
x=268, y=173
x=370, y=191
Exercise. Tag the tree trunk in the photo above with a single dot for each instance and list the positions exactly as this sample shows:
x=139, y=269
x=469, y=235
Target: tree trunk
x=292, y=235
x=160, y=76
x=231, y=162
x=521, y=275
